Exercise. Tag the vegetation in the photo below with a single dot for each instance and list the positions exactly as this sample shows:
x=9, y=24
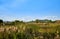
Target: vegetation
x=38, y=29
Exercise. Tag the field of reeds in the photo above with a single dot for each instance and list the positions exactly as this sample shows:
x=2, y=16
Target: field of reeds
x=29, y=30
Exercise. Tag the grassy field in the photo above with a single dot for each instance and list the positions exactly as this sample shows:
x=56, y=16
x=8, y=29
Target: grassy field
x=30, y=31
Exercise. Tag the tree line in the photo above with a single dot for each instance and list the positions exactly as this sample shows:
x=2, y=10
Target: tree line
x=36, y=21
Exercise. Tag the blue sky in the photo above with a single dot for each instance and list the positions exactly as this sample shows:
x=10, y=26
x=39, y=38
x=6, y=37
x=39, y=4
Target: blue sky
x=29, y=9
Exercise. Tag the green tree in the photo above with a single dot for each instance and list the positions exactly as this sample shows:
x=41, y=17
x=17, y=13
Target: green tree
x=37, y=20
x=1, y=22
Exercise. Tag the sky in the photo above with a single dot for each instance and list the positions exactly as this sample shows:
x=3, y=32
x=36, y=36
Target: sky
x=29, y=9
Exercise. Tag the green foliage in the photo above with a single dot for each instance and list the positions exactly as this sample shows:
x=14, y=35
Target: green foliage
x=26, y=30
x=1, y=22
x=44, y=21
